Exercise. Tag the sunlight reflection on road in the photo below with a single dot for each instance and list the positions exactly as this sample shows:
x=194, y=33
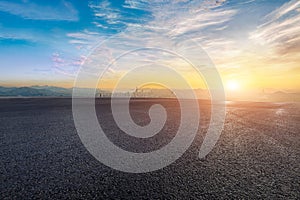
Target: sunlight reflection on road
x=280, y=111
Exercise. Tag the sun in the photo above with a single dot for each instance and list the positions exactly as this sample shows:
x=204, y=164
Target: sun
x=232, y=85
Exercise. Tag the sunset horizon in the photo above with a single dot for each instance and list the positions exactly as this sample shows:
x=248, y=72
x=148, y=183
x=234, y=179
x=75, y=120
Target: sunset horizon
x=260, y=54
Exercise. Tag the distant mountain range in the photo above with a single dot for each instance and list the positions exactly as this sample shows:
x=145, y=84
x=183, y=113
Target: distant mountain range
x=42, y=91
x=34, y=91
x=283, y=96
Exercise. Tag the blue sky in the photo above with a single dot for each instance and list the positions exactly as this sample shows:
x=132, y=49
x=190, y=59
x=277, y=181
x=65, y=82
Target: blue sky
x=45, y=42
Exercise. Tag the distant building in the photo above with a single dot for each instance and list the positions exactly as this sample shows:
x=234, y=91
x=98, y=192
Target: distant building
x=105, y=94
x=152, y=93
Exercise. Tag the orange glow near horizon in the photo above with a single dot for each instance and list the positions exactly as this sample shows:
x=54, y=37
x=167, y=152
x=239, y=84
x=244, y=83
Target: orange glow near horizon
x=232, y=85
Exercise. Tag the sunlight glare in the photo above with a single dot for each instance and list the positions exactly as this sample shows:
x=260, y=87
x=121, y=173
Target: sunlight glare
x=232, y=85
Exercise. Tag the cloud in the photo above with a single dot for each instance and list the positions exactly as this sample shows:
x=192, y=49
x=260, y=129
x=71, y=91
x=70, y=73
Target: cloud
x=14, y=34
x=103, y=10
x=173, y=18
x=151, y=5
x=166, y=20
x=281, y=29
x=185, y=19
x=246, y=2
x=193, y=19
x=66, y=65
x=114, y=18
x=64, y=12
x=85, y=40
x=200, y=21
x=194, y=23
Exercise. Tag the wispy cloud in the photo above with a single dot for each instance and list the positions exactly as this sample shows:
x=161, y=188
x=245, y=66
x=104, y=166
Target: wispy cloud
x=182, y=17
x=84, y=38
x=28, y=35
x=281, y=29
x=113, y=19
x=169, y=20
x=154, y=5
x=200, y=21
x=66, y=66
x=85, y=41
x=64, y=12
x=103, y=10
x=191, y=19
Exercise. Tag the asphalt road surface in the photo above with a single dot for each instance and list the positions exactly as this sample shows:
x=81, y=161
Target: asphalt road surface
x=41, y=155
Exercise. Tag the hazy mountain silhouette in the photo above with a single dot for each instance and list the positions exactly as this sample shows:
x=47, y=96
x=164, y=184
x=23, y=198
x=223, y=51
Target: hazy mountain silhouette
x=34, y=91
x=284, y=96
x=41, y=91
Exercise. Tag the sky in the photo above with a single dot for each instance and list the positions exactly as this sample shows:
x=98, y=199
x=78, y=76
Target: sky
x=254, y=44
